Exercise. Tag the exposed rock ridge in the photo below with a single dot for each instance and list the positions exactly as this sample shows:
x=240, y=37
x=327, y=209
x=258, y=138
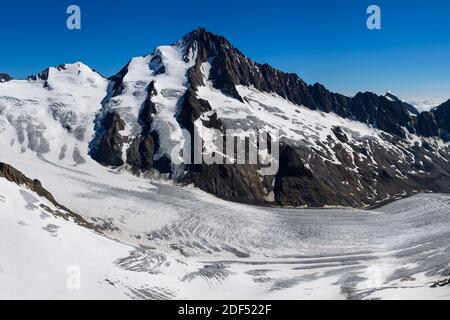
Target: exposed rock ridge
x=15, y=176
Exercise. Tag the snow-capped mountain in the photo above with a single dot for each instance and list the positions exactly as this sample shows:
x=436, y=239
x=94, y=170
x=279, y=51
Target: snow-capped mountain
x=334, y=150
x=102, y=148
x=52, y=114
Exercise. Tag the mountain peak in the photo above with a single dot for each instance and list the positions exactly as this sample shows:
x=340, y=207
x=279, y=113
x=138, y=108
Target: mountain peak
x=76, y=68
x=201, y=37
x=411, y=108
x=390, y=96
x=199, y=32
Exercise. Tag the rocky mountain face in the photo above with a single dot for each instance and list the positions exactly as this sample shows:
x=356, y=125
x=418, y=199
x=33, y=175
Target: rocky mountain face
x=230, y=68
x=333, y=149
x=341, y=168
x=412, y=109
x=435, y=123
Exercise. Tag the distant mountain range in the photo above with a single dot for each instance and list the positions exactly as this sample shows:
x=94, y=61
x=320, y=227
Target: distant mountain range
x=334, y=150
x=5, y=77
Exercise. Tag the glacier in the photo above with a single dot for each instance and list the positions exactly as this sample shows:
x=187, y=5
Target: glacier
x=160, y=241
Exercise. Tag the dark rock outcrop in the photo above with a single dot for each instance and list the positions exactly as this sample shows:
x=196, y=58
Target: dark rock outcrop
x=109, y=149
x=407, y=105
x=117, y=81
x=15, y=176
x=4, y=77
x=240, y=183
x=441, y=283
x=140, y=154
x=294, y=183
x=383, y=114
x=148, y=109
x=435, y=123
x=329, y=101
x=426, y=125
x=191, y=109
x=40, y=76
x=442, y=117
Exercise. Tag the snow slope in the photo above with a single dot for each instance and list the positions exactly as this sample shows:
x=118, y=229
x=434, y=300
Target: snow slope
x=167, y=68
x=38, y=249
x=52, y=117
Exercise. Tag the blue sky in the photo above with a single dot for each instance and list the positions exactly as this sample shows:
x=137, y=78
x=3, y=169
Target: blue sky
x=323, y=41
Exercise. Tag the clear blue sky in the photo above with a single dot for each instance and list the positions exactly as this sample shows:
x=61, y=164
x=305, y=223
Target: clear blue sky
x=323, y=41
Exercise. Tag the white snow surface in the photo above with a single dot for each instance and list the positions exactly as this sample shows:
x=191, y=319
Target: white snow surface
x=53, y=118
x=178, y=242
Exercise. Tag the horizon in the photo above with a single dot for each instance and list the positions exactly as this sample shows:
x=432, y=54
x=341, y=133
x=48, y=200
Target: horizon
x=344, y=56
